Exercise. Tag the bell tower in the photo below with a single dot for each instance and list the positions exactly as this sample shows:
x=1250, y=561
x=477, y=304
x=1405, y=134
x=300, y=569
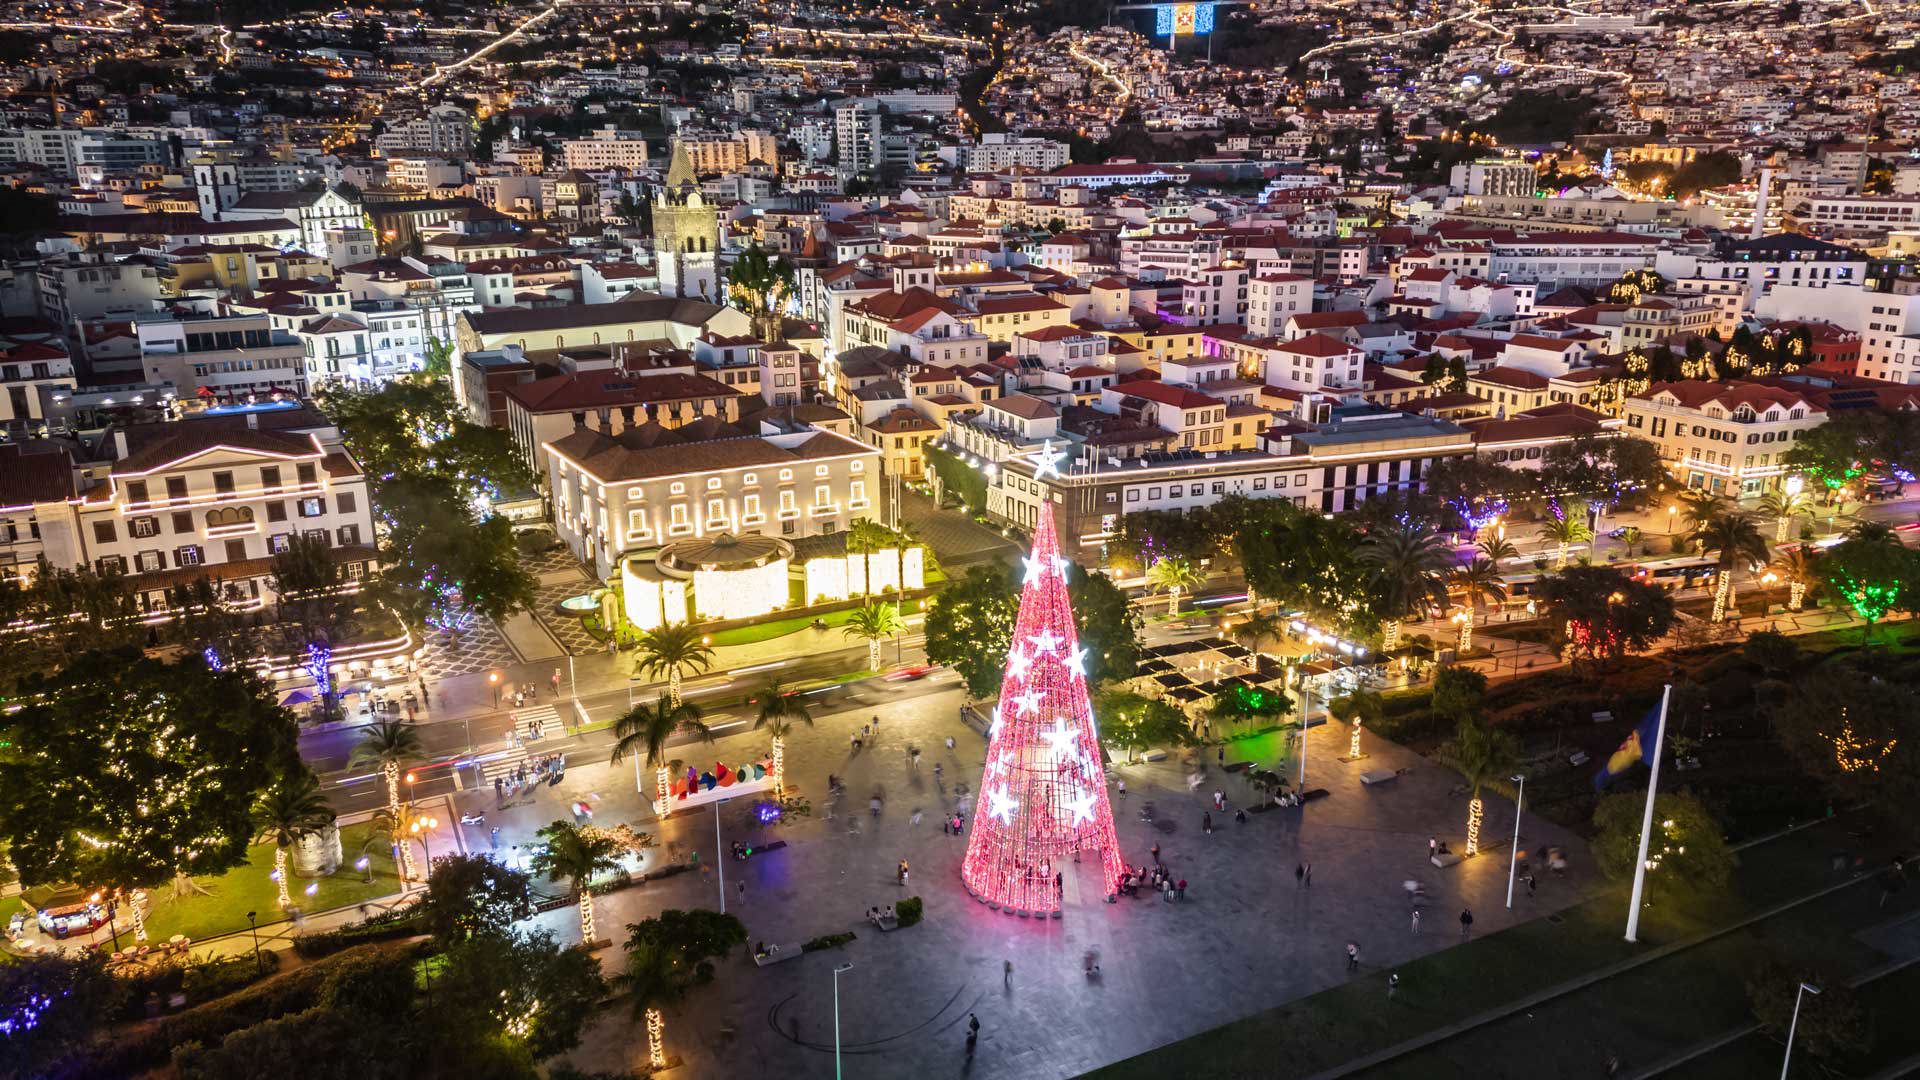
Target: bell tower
x=686, y=233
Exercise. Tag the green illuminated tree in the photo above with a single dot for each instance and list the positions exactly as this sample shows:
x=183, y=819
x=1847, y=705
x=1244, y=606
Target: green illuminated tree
x=1239, y=704
x=577, y=855
x=125, y=772
x=1872, y=571
x=1603, y=613
x=970, y=626
x=1687, y=849
x=874, y=623
x=1174, y=576
x=1407, y=573
x=1131, y=722
x=1563, y=532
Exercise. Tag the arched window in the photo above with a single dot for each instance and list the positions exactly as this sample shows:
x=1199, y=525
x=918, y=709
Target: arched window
x=229, y=515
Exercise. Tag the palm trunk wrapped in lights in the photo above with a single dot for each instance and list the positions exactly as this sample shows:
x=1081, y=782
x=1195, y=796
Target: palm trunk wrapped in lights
x=1466, y=634
x=391, y=770
x=1390, y=637
x=1722, y=596
x=1173, y=599
x=408, y=868
x=873, y=654
x=139, y=916
x=586, y=914
x=656, y=1040
x=779, y=765
x=1796, y=595
x=1474, y=810
x=1353, y=741
x=280, y=875
x=1560, y=557
x=660, y=804
x=673, y=686
x=1780, y=529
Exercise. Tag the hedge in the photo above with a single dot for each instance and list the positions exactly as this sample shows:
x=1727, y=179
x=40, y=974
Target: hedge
x=908, y=911
x=387, y=926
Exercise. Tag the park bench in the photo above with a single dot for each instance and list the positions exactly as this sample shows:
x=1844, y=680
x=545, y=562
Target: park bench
x=1603, y=717
x=1378, y=776
x=778, y=954
x=1444, y=859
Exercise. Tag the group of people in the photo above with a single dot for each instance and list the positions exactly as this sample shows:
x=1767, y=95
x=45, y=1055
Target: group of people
x=1159, y=879
x=529, y=774
x=877, y=916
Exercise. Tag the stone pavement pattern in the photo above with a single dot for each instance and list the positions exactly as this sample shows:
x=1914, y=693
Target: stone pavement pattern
x=1245, y=939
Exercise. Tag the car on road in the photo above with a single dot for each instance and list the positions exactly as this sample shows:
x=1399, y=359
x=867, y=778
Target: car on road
x=910, y=673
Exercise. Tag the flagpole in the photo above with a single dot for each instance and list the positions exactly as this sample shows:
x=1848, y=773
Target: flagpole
x=1646, y=820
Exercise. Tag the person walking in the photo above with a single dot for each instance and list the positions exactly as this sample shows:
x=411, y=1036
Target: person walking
x=556, y=682
x=1121, y=784
x=1222, y=757
x=1416, y=921
x=1466, y=923
x=973, y=1033
x=1393, y=983
x=1155, y=852
x=1219, y=801
x=1006, y=973
x=1206, y=823
x=1309, y=878
x=1181, y=890
x=1300, y=875
x=1353, y=956
x=1531, y=882
x=873, y=806
x=1433, y=846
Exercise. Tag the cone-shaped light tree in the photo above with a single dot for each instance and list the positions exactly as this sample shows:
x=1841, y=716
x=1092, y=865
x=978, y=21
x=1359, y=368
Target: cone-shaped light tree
x=1043, y=795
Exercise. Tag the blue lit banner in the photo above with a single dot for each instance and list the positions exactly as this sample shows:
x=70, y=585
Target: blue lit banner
x=1174, y=20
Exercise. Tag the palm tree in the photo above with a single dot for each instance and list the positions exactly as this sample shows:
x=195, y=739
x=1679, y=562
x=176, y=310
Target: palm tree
x=651, y=979
x=1482, y=753
x=671, y=650
x=873, y=623
x=1697, y=507
x=577, y=854
x=1564, y=531
x=1408, y=568
x=777, y=710
x=1358, y=707
x=289, y=811
x=386, y=744
x=1497, y=549
x=1735, y=536
x=1480, y=581
x=647, y=728
x=400, y=825
x=1800, y=565
x=1256, y=629
x=1782, y=506
x=1174, y=576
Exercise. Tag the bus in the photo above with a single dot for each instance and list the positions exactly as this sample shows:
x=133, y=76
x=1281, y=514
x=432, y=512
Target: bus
x=1684, y=572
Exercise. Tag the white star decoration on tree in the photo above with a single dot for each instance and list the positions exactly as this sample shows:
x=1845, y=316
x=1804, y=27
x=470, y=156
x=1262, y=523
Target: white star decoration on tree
x=1027, y=702
x=1045, y=641
x=1037, y=568
x=1082, y=806
x=1003, y=805
x=1060, y=738
x=1079, y=663
x=1017, y=664
x=994, y=728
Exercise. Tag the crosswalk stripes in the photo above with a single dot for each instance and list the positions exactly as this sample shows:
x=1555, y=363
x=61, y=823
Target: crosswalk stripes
x=539, y=721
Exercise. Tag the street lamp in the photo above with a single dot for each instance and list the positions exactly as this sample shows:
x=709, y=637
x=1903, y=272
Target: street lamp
x=365, y=866
x=1513, y=857
x=253, y=925
x=1805, y=989
x=1671, y=510
x=836, y=1016
x=493, y=680
x=422, y=827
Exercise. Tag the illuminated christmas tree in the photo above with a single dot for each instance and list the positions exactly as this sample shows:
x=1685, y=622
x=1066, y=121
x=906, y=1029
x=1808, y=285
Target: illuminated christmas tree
x=1043, y=796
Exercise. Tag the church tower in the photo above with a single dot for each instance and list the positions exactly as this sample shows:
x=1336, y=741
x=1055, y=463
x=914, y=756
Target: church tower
x=686, y=234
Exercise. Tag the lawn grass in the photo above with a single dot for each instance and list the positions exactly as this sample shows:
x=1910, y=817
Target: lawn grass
x=1346, y=1022
x=773, y=628
x=223, y=908
x=1889, y=1041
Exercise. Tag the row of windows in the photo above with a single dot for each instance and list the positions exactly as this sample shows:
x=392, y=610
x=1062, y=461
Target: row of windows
x=305, y=473
x=188, y=555
x=222, y=517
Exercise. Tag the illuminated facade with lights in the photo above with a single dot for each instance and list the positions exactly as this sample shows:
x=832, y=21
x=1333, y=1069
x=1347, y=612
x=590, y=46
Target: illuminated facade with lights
x=210, y=498
x=1043, y=795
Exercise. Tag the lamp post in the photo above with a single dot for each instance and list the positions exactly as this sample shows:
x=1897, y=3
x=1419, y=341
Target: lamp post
x=1787, y=1058
x=422, y=827
x=1513, y=856
x=253, y=925
x=493, y=680
x=836, y=1017
x=1306, y=709
x=1671, y=510
x=719, y=855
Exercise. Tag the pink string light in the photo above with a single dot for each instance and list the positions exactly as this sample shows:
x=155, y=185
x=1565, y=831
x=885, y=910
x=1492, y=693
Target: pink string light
x=1043, y=792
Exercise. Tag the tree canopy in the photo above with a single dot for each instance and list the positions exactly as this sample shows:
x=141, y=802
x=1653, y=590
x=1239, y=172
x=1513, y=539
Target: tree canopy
x=1687, y=848
x=1604, y=612
x=126, y=771
x=970, y=626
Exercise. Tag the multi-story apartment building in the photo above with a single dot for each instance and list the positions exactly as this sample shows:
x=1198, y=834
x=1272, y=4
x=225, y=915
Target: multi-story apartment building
x=84, y=286
x=1655, y=319
x=642, y=488
x=612, y=399
x=209, y=498
x=443, y=129
x=598, y=154
x=1854, y=216
x=33, y=366
x=1218, y=294
x=1729, y=438
x=1001, y=152
x=1494, y=176
x=228, y=356
x=1272, y=299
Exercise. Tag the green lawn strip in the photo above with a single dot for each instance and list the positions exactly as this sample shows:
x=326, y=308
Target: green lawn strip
x=1338, y=1025
x=1884, y=1000
x=773, y=628
x=1659, y=1008
x=223, y=908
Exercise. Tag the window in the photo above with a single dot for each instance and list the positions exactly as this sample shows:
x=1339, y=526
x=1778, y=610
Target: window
x=236, y=550
x=182, y=521
x=307, y=474
x=103, y=532
x=713, y=483
x=787, y=506
x=716, y=512
x=822, y=495
x=187, y=555
x=313, y=507
x=176, y=487
x=277, y=543
x=678, y=488
x=223, y=483
x=750, y=509
x=344, y=502
x=749, y=479
x=1133, y=494
x=149, y=561
x=270, y=476
x=276, y=511
x=857, y=493
x=143, y=526
x=678, y=518
x=1198, y=490
x=349, y=535
x=137, y=491
x=786, y=474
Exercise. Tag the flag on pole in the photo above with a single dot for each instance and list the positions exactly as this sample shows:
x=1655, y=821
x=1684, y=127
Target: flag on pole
x=1631, y=752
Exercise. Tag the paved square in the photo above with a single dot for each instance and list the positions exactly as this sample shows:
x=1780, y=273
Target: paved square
x=1246, y=937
